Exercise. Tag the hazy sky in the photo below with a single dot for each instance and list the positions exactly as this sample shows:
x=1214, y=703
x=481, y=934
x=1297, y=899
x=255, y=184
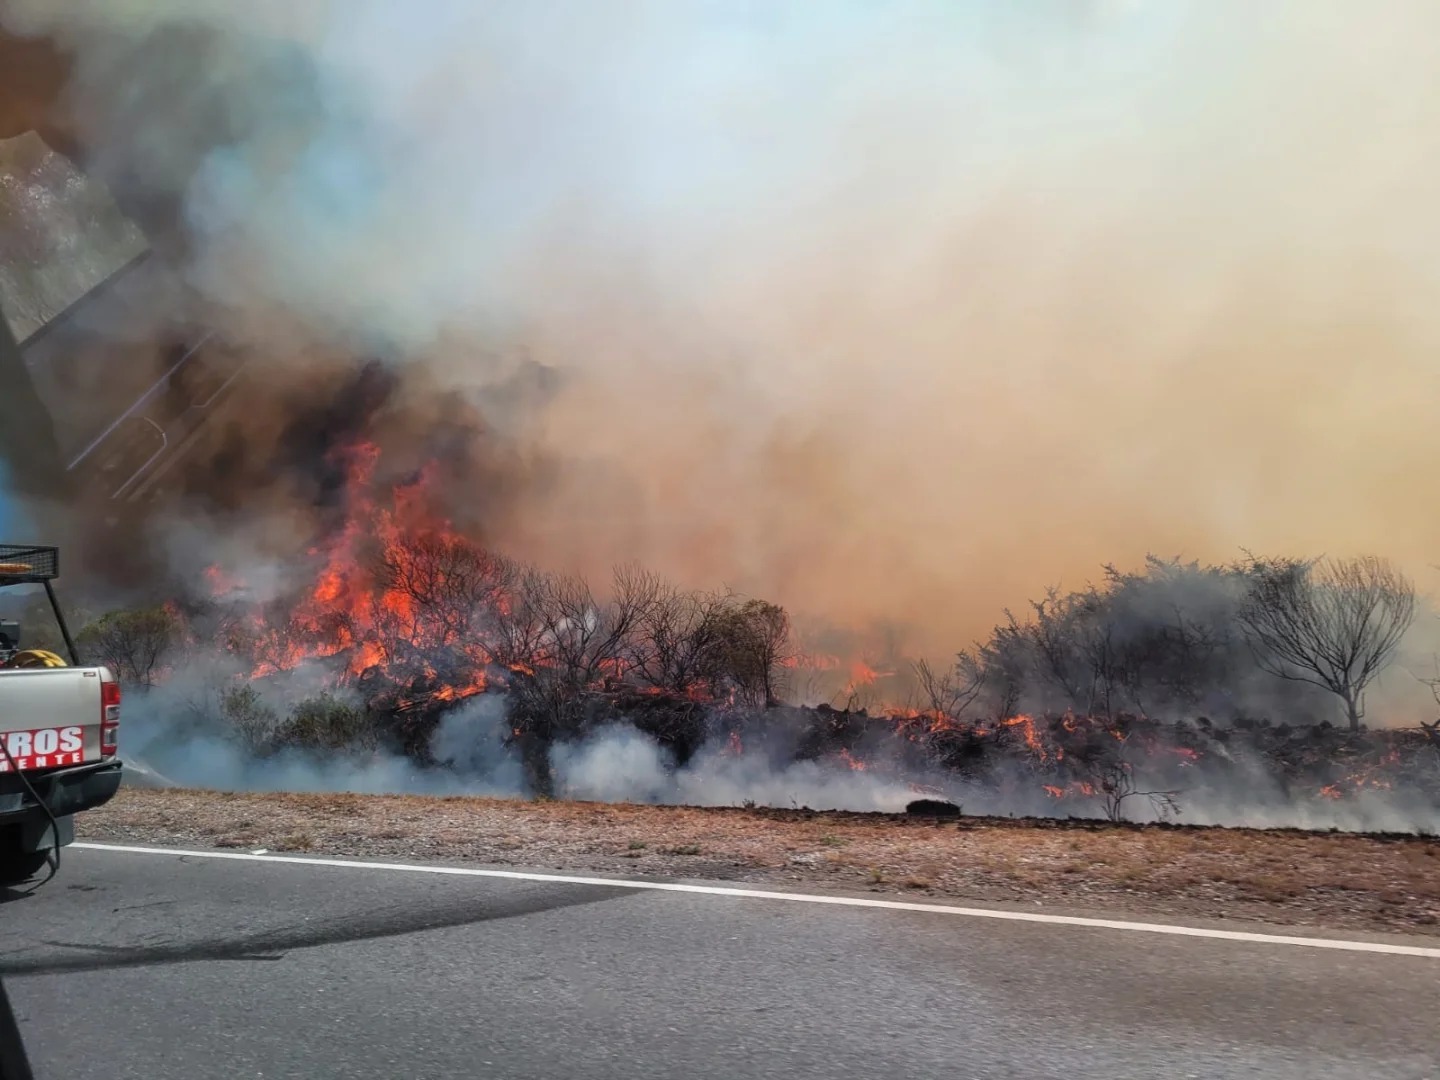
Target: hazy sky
x=894, y=310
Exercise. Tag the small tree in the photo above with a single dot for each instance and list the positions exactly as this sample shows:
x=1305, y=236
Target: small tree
x=1005, y=663
x=755, y=643
x=450, y=585
x=561, y=643
x=435, y=611
x=1334, y=625
x=1053, y=639
x=132, y=644
x=679, y=644
x=586, y=642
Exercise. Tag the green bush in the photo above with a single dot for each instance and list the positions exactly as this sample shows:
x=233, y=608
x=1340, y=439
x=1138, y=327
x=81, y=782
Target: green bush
x=252, y=721
x=324, y=722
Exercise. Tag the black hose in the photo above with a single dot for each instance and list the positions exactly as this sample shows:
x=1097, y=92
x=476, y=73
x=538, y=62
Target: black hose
x=54, y=862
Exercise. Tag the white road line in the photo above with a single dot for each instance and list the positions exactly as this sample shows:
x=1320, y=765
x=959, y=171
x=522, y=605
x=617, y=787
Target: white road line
x=803, y=898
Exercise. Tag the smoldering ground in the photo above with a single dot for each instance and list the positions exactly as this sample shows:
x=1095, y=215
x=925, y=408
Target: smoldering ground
x=181, y=731
x=296, y=731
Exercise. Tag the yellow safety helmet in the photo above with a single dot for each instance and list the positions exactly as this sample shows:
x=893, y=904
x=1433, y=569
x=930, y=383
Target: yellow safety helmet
x=26, y=658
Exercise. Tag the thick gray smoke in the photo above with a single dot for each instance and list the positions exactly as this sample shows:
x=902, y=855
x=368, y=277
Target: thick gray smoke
x=881, y=311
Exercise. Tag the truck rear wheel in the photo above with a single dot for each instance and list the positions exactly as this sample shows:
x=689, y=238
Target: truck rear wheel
x=18, y=866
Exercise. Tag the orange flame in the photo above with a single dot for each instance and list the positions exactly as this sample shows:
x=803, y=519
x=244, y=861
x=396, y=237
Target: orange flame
x=1032, y=738
x=1075, y=787
x=349, y=611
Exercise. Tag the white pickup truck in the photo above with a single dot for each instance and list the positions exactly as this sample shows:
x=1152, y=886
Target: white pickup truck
x=59, y=730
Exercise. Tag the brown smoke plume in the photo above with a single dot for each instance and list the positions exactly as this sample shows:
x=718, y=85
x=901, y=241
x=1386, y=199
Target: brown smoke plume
x=887, y=314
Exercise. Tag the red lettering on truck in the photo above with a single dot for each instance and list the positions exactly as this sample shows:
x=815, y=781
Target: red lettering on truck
x=42, y=748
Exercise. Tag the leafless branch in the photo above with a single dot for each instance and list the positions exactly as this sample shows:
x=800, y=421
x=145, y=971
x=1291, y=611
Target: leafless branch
x=1335, y=625
x=1115, y=780
x=132, y=644
x=952, y=691
x=679, y=643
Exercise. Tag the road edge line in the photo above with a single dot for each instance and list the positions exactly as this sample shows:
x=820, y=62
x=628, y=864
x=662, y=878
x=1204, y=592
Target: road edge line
x=1171, y=929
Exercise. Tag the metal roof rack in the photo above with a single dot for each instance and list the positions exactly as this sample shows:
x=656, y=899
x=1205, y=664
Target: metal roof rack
x=22, y=564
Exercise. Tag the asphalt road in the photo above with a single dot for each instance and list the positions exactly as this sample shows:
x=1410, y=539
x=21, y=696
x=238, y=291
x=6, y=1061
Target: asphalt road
x=151, y=966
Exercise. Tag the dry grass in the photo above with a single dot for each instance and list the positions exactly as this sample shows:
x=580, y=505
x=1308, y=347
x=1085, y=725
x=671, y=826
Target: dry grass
x=1280, y=876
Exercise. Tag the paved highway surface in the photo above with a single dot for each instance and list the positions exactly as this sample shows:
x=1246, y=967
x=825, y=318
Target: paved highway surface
x=160, y=967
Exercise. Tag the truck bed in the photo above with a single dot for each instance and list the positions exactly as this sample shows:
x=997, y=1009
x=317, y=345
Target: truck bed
x=50, y=718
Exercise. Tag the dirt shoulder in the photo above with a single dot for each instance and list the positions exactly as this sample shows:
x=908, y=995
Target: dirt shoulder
x=1328, y=880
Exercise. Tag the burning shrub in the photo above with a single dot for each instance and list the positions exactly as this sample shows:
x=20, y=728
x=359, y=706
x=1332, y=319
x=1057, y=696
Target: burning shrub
x=414, y=617
x=950, y=692
x=438, y=591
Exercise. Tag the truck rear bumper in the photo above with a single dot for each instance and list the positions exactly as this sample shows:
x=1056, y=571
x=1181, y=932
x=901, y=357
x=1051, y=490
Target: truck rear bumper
x=65, y=791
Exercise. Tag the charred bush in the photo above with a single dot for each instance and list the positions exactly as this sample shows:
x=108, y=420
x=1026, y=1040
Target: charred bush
x=828, y=731
x=679, y=724
x=965, y=751
x=937, y=808
x=1116, y=783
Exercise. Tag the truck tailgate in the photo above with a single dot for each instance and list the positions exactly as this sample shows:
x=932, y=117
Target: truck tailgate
x=51, y=717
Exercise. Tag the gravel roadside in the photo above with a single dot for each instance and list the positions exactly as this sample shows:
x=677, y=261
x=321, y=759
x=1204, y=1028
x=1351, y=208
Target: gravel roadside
x=1332, y=880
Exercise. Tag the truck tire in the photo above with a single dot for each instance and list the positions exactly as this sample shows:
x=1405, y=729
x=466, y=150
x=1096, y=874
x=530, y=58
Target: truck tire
x=20, y=866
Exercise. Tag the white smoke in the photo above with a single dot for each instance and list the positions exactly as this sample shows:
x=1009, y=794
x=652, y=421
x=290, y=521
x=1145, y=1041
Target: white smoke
x=624, y=765
x=181, y=732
